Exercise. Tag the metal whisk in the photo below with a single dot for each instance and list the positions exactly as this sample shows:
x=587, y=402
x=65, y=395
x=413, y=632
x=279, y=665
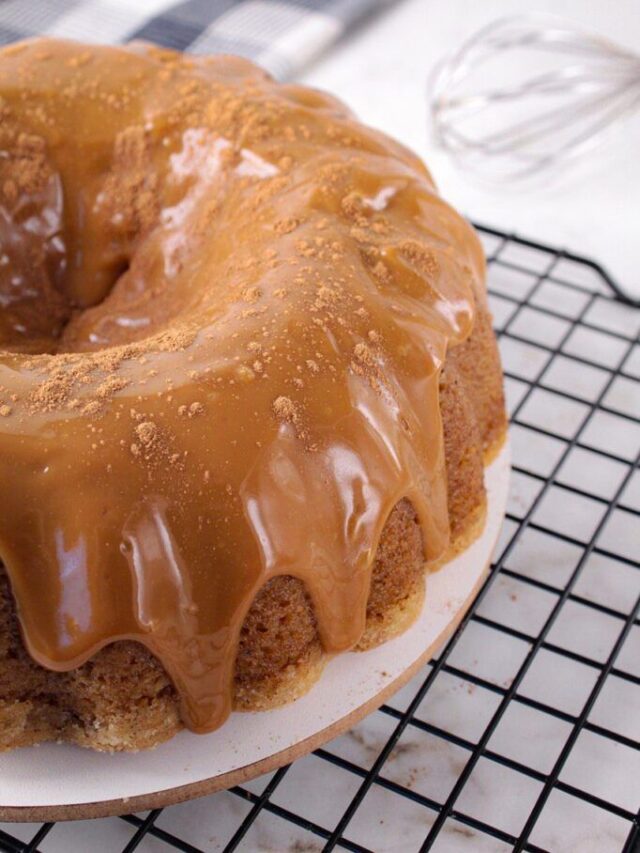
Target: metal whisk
x=530, y=92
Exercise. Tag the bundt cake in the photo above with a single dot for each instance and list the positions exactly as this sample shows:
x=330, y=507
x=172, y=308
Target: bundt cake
x=248, y=384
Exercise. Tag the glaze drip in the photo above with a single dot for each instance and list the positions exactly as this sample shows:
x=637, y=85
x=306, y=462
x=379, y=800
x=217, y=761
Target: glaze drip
x=225, y=306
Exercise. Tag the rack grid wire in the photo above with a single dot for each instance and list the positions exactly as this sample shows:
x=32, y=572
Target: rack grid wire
x=572, y=376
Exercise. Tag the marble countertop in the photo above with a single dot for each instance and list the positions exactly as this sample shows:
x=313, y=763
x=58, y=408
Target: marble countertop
x=381, y=72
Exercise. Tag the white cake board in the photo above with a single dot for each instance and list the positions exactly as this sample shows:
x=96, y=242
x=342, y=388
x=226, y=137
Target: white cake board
x=63, y=782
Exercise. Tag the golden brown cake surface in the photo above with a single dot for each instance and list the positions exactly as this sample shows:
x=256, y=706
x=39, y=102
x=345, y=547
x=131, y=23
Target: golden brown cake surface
x=225, y=311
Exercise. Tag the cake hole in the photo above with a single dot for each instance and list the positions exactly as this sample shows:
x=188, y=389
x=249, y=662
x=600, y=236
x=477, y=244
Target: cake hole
x=35, y=313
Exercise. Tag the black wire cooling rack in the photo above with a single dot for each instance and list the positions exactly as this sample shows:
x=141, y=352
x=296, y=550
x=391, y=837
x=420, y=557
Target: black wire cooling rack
x=531, y=709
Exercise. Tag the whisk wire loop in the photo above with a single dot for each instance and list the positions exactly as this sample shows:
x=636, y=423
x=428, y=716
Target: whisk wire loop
x=519, y=126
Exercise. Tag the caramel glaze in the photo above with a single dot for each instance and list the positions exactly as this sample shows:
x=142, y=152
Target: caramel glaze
x=225, y=307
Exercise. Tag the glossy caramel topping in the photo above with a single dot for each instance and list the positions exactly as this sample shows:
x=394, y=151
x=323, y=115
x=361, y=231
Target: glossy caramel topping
x=224, y=310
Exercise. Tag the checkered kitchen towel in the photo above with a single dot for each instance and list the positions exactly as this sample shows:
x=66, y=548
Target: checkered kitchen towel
x=280, y=35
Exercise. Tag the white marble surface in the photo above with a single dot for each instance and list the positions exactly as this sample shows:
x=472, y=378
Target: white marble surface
x=381, y=73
